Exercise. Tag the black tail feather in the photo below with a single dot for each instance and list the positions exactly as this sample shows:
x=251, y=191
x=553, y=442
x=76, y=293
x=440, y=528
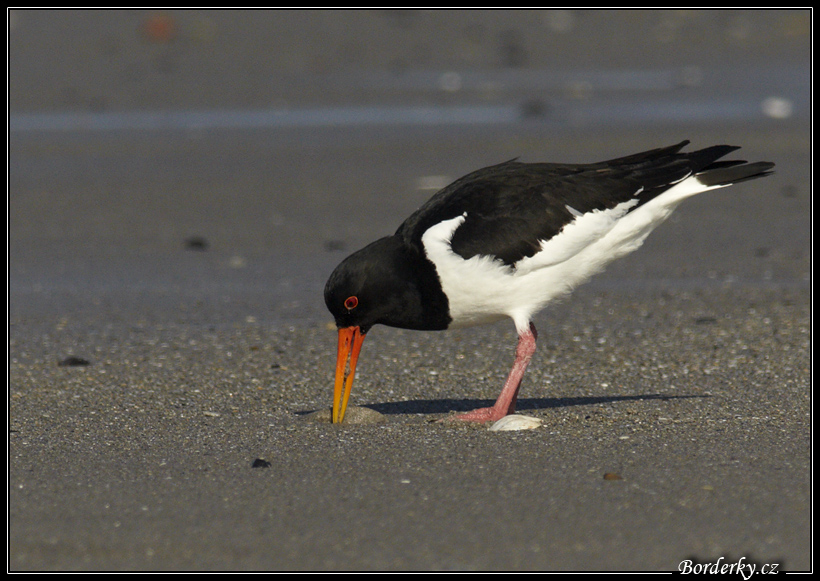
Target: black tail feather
x=726, y=173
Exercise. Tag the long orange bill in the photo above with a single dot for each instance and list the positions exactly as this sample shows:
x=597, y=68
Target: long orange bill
x=350, y=343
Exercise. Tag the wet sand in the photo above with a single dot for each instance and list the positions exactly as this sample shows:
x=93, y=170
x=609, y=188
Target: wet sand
x=168, y=340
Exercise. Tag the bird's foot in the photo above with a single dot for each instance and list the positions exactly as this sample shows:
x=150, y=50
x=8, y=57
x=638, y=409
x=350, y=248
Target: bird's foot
x=480, y=415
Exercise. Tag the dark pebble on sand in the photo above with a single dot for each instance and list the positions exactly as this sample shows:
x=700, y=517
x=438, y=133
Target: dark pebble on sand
x=73, y=361
x=196, y=243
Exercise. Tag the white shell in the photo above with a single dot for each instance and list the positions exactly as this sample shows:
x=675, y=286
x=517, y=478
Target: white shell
x=515, y=422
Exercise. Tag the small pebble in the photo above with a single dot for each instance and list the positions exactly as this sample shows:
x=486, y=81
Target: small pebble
x=353, y=415
x=260, y=463
x=515, y=422
x=612, y=476
x=196, y=243
x=74, y=362
x=334, y=245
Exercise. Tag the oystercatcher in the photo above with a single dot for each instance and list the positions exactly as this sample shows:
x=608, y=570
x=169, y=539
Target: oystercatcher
x=504, y=241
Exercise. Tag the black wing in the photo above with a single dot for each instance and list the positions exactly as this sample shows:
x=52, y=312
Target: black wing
x=512, y=207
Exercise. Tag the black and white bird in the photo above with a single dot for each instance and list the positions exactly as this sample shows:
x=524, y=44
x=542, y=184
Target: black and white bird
x=506, y=240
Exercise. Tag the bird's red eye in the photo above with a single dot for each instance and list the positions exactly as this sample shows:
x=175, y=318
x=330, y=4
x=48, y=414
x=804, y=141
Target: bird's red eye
x=351, y=303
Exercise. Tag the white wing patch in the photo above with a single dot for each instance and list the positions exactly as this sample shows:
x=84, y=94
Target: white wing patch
x=583, y=231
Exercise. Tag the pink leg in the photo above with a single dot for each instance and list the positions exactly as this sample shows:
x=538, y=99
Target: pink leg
x=505, y=404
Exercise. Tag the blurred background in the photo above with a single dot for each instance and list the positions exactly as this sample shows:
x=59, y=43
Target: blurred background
x=80, y=61
x=264, y=137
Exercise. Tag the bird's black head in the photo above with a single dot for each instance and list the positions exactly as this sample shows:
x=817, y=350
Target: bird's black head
x=388, y=283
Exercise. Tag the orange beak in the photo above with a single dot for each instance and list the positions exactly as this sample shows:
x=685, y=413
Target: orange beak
x=350, y=343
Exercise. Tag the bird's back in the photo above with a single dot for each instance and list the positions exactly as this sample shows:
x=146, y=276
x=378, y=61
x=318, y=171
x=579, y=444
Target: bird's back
x=512, y=207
